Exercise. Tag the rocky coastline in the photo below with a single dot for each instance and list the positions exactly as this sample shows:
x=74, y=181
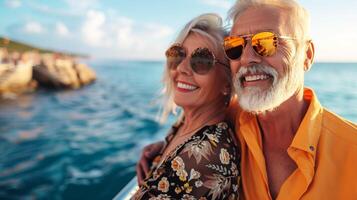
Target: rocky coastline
x=26, y=71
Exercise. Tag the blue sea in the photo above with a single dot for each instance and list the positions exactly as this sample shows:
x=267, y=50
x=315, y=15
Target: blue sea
x=83, y=144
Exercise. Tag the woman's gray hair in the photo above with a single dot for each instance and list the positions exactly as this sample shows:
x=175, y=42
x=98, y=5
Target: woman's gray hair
x=211, y=27
x=301, y=23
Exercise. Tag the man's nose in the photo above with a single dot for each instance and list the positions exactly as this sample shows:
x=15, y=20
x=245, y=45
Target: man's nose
x=234, y=64
x=249, y=55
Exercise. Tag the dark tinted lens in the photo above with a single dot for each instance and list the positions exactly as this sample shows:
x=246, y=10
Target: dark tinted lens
x=202, y=60
x=235, y=52
x=174, y=56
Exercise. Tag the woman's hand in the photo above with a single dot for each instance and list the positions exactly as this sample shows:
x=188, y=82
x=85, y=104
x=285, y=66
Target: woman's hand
x=147, y=156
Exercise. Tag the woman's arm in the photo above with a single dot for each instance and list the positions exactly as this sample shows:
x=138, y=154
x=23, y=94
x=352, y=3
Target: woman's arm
x=147, y=156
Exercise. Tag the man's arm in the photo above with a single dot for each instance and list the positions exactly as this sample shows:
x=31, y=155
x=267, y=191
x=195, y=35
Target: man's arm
x=147, y=156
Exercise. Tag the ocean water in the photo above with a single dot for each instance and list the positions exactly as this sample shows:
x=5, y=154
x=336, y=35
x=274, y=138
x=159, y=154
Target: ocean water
x=84, y=144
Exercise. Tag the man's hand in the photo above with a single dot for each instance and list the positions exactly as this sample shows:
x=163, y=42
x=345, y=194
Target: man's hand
x=147, y=156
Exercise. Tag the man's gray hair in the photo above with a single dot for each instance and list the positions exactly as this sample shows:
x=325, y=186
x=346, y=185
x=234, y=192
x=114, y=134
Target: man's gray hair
x=301, y=22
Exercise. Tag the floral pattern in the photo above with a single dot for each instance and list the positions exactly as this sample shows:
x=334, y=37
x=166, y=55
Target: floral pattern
x=224, y=156
x=163, y=185
x=205, y=166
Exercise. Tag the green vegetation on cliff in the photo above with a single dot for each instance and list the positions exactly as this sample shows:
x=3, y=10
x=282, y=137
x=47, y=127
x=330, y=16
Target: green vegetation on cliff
x=12, y=46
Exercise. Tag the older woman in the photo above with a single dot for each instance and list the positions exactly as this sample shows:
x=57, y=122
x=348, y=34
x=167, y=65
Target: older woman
x=200, y=158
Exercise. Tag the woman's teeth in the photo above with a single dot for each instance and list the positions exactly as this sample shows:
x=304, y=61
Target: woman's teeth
x=186, y=86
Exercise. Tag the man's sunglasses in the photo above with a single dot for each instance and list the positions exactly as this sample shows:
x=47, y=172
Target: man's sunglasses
x=202, y=59
x=264, y=44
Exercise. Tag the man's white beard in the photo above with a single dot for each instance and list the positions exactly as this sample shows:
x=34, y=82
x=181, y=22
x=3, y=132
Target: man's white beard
x=257, y=100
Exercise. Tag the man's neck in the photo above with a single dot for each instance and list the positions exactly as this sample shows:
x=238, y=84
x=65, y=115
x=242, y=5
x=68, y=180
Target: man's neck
x=284, y=121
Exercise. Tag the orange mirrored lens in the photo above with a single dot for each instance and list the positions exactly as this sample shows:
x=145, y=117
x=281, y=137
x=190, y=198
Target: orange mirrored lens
x=233, y=41
x=233, y=47
x=265, y=43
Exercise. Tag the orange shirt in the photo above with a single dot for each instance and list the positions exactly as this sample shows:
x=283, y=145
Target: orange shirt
x=324, y=150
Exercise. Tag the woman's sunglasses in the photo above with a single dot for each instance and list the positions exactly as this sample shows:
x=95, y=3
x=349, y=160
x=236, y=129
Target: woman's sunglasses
x=202, y=59
x=264, y=44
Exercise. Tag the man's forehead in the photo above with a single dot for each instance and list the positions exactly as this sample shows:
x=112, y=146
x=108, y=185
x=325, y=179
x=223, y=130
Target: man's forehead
x=257, y=19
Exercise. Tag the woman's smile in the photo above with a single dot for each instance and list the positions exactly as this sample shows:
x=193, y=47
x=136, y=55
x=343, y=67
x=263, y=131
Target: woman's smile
x=185, y=87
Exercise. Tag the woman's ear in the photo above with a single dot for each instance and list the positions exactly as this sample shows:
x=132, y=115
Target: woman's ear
x=309, y=55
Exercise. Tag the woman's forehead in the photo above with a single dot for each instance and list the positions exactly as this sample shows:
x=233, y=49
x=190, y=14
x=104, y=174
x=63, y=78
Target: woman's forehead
x=195, y=40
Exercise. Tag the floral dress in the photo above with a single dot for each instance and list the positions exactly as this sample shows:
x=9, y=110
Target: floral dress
x=205, y=166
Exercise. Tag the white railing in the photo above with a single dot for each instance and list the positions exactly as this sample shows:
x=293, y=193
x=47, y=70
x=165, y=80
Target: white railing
x=128, y=191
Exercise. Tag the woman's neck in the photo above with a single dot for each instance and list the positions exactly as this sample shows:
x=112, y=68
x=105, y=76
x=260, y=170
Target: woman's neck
x=194, y=120
x=197, y=118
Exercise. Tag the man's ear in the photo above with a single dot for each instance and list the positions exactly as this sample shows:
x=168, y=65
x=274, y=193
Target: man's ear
x=309, y=55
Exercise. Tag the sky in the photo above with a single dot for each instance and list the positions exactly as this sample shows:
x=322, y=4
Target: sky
x=143, y=29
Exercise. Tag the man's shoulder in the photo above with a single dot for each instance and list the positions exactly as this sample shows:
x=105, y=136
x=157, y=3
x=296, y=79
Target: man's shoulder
x=339, y=126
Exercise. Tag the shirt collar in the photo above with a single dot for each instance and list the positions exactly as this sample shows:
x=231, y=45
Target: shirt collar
x=308, y=133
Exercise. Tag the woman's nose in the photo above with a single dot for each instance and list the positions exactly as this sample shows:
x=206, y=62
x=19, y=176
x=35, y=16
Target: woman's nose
x=185, y=67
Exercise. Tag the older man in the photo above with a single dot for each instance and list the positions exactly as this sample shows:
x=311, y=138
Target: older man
x=292, y=147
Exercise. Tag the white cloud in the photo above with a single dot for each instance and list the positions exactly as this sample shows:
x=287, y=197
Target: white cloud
x=142, y=41
x=13, y=3
x=81, y=5
x=74, y=8
x=123, y=32
x=218, y=3
x=118, y=36
x=33, y=28
x=45, y=9
x=93, y=28
x=158, y=31
x=62, y=30
x=141, y=36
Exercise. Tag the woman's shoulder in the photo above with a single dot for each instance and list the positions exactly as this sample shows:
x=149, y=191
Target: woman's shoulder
x=221, y=132
x=211, y=140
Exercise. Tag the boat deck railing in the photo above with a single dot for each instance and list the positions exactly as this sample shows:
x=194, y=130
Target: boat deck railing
x=128, y=191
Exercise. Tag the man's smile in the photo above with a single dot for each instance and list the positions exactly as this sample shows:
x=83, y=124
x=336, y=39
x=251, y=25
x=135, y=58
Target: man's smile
x=254, y=79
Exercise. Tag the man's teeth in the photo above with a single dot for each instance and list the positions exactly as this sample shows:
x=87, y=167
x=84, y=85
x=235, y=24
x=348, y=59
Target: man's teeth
x=186, y=86
x=256, y=77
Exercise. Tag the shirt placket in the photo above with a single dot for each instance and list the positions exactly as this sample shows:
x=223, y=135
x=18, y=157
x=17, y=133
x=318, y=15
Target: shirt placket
x=251, y=136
